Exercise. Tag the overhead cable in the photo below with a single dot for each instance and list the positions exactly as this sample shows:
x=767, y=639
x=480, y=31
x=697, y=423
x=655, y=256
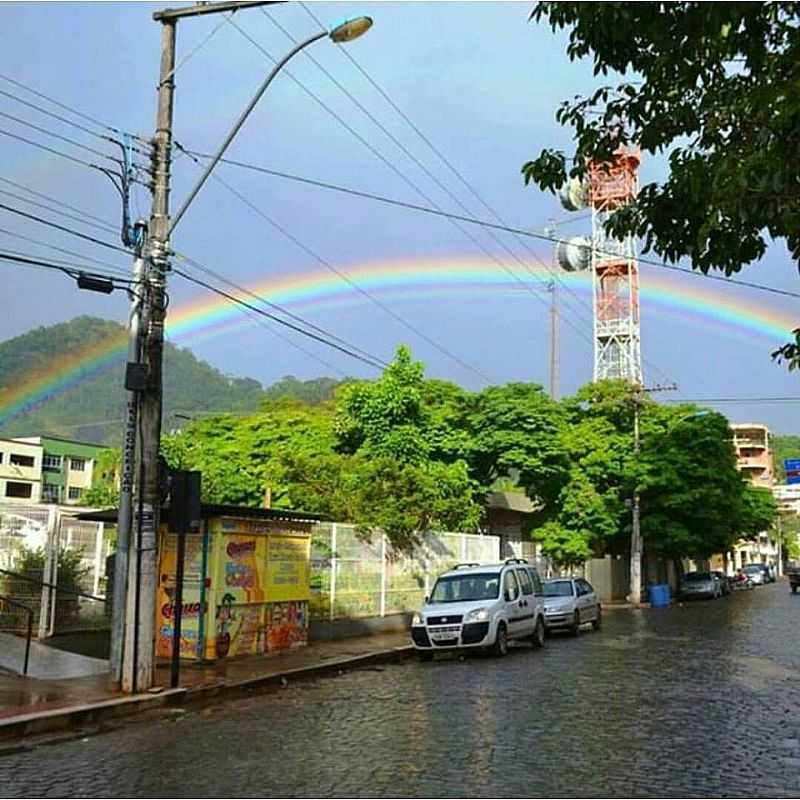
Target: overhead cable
x=310, y=334
x=84, y=236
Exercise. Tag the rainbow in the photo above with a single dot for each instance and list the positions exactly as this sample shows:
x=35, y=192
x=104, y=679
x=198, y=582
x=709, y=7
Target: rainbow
x=209, y=315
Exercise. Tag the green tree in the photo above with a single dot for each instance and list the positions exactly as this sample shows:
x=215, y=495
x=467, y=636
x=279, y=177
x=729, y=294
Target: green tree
x=104, y=491
x=758, y=512
x=710, y=85
x=516, y=430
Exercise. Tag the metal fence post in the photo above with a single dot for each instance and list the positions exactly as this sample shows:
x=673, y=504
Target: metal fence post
x=383, y=574
x=98, y=557
x=54, y=573
x=334, y=561
x=47, y=572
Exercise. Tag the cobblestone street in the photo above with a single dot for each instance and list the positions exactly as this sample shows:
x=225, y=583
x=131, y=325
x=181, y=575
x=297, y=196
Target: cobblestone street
x=697, y=700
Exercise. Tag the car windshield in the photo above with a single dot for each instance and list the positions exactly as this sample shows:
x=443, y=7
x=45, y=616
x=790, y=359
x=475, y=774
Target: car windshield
x=558, y=589
x=463, y=588
x=751, y=570
x=698, y=576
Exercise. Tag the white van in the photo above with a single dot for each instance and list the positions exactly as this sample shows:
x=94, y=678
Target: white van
x=481, y=605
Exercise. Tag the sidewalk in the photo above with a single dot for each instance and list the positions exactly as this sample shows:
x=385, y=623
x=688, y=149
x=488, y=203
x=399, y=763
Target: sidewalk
x=29, y=705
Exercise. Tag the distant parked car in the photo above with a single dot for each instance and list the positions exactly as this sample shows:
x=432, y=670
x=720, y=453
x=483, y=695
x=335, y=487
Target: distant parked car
x=569, y=603
x=700, y=584
x=756, y=573
x=793, y=573
x=741, y=580
x=724, y=581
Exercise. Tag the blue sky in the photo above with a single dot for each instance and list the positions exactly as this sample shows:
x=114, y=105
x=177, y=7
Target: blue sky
x=477, y=78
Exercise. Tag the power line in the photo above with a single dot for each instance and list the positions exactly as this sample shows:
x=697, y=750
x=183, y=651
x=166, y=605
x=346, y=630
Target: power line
x=72, y=110
x=73, y=273
x=120, y=270
x=403, y=176
x=486, y=223
x=262, y=312
x=64, y=229
x=75, y=218
x=687, y=400
x=60, y=262
x=58, y=202
x=345, y=277
x=50, y=149
x=276, y=307
x=580, y=303
x=58, y=136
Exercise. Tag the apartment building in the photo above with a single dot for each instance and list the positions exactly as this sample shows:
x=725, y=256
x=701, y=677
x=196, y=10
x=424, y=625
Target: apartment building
x=20, y=471
x=753, y=453
x=754, y=460
x=66, y=468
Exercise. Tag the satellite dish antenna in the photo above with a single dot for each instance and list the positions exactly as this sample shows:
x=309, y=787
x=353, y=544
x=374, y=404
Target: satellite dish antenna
x=574, y=194
x=575, y=254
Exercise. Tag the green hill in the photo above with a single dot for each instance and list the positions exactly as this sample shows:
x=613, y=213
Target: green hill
x=92, y=409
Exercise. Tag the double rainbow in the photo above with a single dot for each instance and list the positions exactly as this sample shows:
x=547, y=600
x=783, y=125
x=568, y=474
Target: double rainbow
x=209, y=315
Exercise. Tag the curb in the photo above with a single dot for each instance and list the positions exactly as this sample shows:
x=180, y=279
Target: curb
x=64, y=720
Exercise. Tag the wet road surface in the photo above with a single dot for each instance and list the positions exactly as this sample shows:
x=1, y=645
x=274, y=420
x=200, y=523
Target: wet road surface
x=697, y=700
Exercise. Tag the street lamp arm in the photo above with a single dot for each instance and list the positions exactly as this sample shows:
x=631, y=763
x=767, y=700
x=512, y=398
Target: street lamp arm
x=244, y=115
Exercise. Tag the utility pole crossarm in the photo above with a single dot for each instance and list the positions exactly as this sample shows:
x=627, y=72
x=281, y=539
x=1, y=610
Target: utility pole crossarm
x=200, y=9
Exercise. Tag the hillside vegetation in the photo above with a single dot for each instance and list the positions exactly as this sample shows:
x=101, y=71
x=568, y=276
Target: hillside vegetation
x=92, y=409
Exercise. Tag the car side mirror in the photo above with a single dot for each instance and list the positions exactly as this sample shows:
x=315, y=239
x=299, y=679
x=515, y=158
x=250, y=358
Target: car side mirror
x=427, y=599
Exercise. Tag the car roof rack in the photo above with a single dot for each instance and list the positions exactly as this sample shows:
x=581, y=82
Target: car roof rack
x=467, y=565
x=516, y=561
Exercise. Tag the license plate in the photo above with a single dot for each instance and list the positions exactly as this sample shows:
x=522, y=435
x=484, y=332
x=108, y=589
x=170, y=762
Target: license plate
x=441, y=636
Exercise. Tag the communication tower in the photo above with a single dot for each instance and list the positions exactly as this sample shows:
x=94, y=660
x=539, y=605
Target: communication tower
x=613, y=262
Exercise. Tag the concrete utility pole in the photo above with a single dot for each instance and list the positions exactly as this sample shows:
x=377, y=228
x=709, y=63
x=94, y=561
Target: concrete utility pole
x=139, y=621
x=125, y=512
x=635, y=590
x=140, y=617
x=636, y=535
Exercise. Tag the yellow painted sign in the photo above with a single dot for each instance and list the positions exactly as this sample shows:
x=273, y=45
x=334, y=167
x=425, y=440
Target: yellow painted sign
x=288, y=562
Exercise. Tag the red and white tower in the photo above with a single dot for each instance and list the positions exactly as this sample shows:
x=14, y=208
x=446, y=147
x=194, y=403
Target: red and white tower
x=615, y=272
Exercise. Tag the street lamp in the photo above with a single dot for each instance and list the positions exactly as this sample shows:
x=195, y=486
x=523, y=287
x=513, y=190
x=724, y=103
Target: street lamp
x=346, y=31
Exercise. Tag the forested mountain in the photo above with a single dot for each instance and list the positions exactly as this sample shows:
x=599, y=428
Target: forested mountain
x=92, y=409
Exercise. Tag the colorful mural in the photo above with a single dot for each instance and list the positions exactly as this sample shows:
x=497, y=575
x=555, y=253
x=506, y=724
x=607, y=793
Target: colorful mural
x=253, y=597
x=287, y=625
x=192, y=606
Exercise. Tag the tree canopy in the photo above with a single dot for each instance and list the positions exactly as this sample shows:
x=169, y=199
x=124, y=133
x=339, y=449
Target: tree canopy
x=712, y=86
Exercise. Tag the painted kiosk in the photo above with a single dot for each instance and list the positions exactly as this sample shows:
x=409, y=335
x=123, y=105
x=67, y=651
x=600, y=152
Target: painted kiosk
x=246, y=584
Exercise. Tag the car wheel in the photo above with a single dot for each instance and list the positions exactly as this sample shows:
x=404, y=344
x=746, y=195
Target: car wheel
x=575, y=628
x=424, y=656
x=598, y=619
x=500, y=646
x=537, y=640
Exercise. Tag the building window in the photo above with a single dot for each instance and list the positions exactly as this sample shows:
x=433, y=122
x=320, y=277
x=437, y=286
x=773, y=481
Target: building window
x=50, y=493
x=77, y=464
x=51, y=463
x=18, y=460
x=16, y=489
x=74, y=492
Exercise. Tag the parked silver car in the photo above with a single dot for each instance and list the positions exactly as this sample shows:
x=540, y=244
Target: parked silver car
x=700, y=584
x=569, y=603
x=757, y=574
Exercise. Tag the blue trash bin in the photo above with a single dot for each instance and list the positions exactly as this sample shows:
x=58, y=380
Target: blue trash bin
x=659, y=595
